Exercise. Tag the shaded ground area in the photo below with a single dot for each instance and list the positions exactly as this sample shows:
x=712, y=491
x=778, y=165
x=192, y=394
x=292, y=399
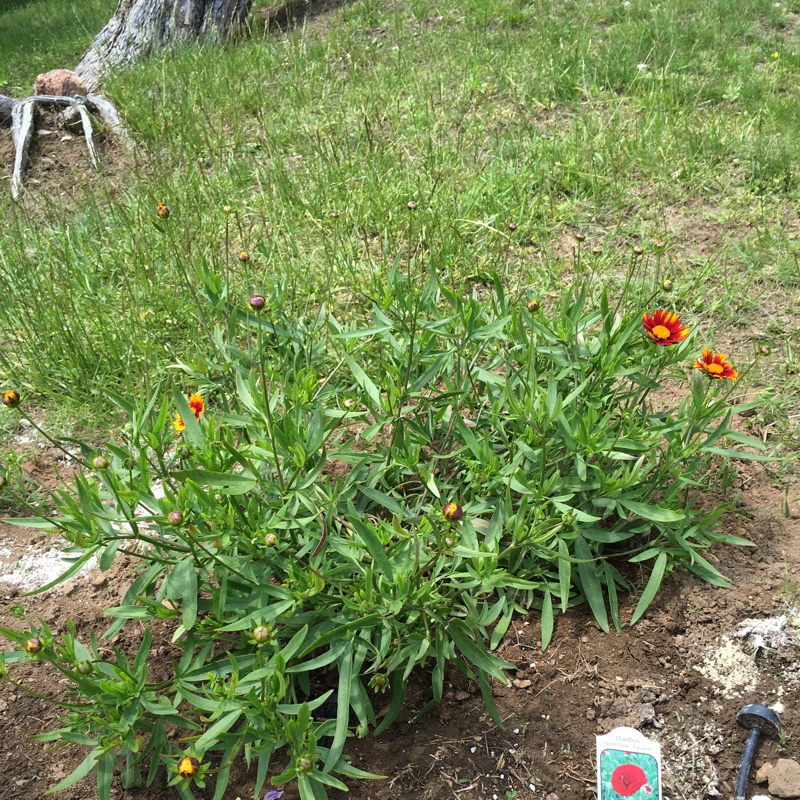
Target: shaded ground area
x=680, y=676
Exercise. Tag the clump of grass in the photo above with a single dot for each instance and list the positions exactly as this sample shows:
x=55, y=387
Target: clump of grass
x=40, y=35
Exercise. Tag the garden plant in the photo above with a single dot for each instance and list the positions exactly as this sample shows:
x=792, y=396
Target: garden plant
x=329, y=505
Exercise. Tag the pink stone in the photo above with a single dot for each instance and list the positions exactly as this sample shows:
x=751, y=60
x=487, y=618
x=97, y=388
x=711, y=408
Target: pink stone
x=62, y=82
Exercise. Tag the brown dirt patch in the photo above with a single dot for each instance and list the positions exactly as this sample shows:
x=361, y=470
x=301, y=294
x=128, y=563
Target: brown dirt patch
x=60, y=175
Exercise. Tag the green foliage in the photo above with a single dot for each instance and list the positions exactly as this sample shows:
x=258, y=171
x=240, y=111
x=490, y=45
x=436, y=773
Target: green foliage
x=40, y=35
x=356, y=502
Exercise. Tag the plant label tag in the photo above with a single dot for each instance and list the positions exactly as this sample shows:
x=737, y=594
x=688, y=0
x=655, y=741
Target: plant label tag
x=628, y=765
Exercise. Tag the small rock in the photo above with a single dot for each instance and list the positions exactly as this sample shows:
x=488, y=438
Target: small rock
x=99, y=580
x=62, y=82
x=784, y=778
x=590, y=714
x=461, y=695
x=763, y=772
x=760, y=797
x=521, y=684
x=552, y=796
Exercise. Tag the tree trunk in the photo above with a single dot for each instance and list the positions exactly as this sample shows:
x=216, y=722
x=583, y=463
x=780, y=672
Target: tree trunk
x=141, y=26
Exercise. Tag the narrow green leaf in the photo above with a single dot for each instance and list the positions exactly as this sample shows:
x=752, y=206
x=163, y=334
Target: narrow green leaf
x=653, y=585
x=105, y=774
x=373, y=545
x=81, y=771
x=476, y=653
x=592, y=587
x=365, y=382
x=67, y=574
x=547, y=619
x=651, y=512
x=221, y=726
x=564, y=574
x=345, y=664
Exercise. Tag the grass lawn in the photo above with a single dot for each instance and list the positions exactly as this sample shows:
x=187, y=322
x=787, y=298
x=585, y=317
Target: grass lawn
x=630, y=122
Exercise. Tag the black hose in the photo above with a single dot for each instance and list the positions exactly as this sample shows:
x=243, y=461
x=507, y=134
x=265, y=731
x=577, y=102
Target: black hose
x=746, y=763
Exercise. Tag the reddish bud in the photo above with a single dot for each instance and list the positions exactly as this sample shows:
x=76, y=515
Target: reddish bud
x=452, y=512
x=33, y=645
x=175, y=518
x=257, y=302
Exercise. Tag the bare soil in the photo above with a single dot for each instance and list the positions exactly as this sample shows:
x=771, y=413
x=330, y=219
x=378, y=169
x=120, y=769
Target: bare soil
x=680, y=676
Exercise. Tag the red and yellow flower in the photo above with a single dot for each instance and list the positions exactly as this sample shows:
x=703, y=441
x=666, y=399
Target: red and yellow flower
x=715, y=365
x=197, y=404
x=664, y=327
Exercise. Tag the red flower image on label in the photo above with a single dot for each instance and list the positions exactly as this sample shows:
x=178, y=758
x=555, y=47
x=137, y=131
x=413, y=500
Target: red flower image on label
x=627, y=779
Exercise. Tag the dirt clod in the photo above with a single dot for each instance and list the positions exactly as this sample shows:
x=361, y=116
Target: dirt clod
x=784, y=779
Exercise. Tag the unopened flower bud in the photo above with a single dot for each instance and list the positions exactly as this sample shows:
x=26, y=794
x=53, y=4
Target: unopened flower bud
x=334, y=215
x=667, y=285
x=257, y=302
x=449, y=542
x=11, y=398
x=162, y=210
x=532, y=306
x=271, y=540
x=99, y=462
x=597, y=250
x=659, y=247
x=380, y=681
x=84, y=667
x=175, y=518
x=304, y=764
x=412, y=206
x=638, y=250
x=765, y=351
x=244, y=256
x=349, y=403
x=188, y=767
x=580, y=237
x=227, y=209
x=512, y=226
x=33, y=645
x=262, y=634
x=452, y=512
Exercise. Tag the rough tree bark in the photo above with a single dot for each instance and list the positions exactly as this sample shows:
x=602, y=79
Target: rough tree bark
x=141, y=26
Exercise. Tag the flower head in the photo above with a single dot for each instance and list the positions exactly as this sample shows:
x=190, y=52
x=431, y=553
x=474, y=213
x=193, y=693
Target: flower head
x=257, y=302
x=715, y=365
x=100, y=462
x=33, y=645
x=452, y=512
x=533, y=306
x=197, y=404
x=162, y=210
x=11, y=398
x=244, y=256
x=188, y=767
x=664, y=327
